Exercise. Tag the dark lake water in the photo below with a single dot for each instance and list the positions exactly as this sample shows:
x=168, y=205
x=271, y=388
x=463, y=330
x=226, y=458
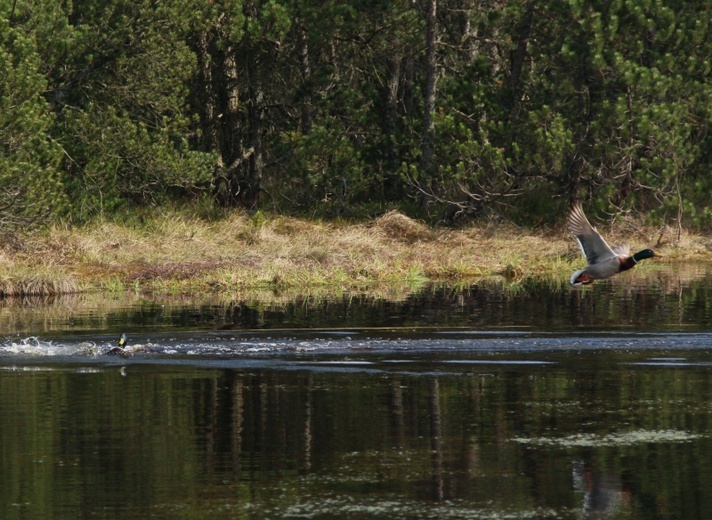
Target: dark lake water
x=498, y=399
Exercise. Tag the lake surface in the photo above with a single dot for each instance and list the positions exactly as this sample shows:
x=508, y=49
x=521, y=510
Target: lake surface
x=499, y=399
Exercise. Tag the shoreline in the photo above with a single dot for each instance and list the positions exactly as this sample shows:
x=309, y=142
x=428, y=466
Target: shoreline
x=178, y=253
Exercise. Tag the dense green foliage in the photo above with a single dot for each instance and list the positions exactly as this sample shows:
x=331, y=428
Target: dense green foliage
x=305, y=106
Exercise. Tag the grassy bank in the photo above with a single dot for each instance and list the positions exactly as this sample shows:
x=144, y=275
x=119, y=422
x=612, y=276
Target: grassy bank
x=178, y=252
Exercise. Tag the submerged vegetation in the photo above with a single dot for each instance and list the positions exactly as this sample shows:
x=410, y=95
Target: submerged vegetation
x=177, y=252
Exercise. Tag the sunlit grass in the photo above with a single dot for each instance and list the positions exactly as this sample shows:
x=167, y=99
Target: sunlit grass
x=180, y=251
x=41, y=280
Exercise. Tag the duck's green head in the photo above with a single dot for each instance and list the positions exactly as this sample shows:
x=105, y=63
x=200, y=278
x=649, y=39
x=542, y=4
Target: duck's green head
x=122, y=340
x=642, y=255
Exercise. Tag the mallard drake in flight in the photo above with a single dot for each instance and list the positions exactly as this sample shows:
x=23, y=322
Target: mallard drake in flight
x=603, y=260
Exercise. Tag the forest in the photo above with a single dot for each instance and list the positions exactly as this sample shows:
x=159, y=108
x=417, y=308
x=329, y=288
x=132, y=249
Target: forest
x=448, y=111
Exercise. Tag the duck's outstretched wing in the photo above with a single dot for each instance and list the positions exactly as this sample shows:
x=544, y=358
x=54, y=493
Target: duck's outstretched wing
x=592, y=244
x=622, y=250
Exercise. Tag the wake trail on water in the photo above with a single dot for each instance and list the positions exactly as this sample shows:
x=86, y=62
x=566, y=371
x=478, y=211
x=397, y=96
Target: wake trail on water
x=354, y=343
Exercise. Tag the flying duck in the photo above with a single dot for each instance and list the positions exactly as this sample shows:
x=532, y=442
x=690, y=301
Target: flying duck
x=603, y=260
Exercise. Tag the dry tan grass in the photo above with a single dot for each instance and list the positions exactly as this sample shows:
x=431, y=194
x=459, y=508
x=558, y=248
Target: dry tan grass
x=37, y=284
x=181, y=253
x=397, y=226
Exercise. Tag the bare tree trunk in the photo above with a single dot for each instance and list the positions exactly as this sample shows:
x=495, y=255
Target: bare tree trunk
x=408, y=83
x=305, y=65
x=427, y=146
x=252, y=180
x=209, y=132
x=390, y=118
x=516, y=63
x=468, y=33
x=219, y=103
x=230, y=109
x=582, y=137
x=227, y=119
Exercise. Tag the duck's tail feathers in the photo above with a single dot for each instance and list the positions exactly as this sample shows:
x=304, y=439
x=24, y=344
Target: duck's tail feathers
x=580, y=277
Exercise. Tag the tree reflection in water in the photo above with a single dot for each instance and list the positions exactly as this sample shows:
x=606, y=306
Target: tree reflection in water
x=433, y=413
